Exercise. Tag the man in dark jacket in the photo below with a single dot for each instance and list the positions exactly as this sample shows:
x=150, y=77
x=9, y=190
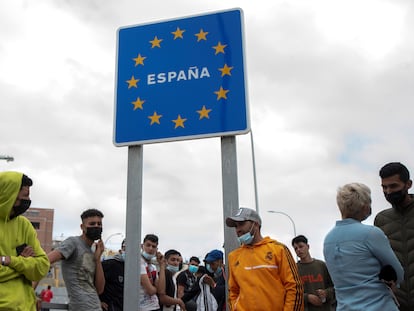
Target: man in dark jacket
x=112, y=299
x=397, y=223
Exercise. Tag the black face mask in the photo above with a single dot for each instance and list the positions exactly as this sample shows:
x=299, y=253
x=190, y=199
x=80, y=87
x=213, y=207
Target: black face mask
x=396, y=198
x=21, y=208
x=94, y=233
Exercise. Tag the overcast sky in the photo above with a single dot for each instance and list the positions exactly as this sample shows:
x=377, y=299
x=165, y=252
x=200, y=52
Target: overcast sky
x=330, y=91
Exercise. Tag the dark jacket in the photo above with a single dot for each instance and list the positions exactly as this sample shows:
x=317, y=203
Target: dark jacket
x=398, y=225
x=113, y=294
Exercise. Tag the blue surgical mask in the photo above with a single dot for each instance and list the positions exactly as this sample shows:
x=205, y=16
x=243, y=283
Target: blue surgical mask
x=246, y=238
x=218, y=272
x=123, y=254
x=147, y=256
x=173, y=269
x=208, y=267
x=192, y=268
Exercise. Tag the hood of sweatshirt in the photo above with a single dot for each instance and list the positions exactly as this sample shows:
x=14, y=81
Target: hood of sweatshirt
x=10, y=183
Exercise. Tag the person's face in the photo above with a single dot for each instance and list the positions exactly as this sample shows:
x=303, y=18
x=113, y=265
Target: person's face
x=150, y=247
x=301, y=249
x=243, y=227
x=94, y=221
x=24, y=194
x=174, y=260
x=214, y=265
x=393, y=184
x=194, y=263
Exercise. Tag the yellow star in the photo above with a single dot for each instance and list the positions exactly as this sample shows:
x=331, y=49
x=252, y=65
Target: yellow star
x=155, y=42
x=139, y=60
x=225, y=70
x=178, y=33
x=179, y=122
x=202, y=35
x=132, y=82
x=222, y=93
x=204, y=112
x=138, y=103
x=219, y=48
x=155, y=118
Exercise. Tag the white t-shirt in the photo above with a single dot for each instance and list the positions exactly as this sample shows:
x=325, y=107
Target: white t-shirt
x=148, y=302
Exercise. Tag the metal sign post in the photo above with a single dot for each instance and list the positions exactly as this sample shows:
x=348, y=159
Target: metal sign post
x=133, y=228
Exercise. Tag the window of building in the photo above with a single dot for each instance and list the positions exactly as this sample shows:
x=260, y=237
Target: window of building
x=36, y=225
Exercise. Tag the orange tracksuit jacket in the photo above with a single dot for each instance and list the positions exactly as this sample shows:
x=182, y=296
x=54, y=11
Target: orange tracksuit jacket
x=264, y=277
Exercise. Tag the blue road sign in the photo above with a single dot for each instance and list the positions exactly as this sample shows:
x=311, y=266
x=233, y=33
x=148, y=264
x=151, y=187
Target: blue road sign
x=181, y=79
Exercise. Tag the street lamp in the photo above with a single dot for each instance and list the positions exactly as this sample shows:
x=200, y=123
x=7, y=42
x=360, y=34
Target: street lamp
x=111, y=236
x=105, y=254
x=7, y=158
x=290, y=218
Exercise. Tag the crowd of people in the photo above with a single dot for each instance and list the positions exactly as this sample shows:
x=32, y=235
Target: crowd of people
x=365, y=267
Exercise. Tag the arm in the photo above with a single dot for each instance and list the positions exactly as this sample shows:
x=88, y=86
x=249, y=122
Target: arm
x=160, y=280
x=99, y=274
x=329, y=289
x=54, y=256
x=381, y=249
x=32, y=263
x=147, y=286
x=180, y=291
x=169, y=301
x=146, y=283
x=180, y=284
x=234, y=288
x=290, y=277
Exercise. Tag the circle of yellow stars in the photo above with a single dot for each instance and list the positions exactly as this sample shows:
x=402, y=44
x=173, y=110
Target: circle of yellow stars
x=204, y=112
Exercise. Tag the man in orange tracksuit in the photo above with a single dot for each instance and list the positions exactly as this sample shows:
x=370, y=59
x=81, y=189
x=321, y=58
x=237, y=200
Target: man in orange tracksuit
x=263, y=275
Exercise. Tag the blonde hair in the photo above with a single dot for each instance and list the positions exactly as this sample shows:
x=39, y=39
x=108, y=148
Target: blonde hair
x=351, y=198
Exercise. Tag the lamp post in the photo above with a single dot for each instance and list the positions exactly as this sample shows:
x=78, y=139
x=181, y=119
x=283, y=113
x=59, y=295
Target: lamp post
x=108, y=238
x=290, y=218
x=293, y=224
x=7, y=158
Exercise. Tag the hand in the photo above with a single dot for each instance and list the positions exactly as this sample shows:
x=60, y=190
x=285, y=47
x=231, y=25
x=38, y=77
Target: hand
x=7, y=260
x=209, y=280
x=314, y=300
x=322, y=294
x=181, y=304
x=99, y=249
x=104, y=306
x=391, y=284
x=27, y=252
x=160, y=258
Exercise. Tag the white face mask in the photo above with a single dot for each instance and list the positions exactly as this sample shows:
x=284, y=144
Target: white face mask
x=172, y=268
x=246, y=238
x=147, y=256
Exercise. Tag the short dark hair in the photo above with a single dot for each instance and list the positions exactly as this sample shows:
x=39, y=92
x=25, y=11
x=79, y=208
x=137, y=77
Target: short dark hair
x=299, y=238
x=151, y=237
x=194, y=258
x=395, y=168
x=171, y=252
x=26, y=181
x=92, y=212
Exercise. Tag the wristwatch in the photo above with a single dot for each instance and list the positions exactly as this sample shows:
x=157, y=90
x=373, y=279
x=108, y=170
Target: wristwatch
x=3, y=260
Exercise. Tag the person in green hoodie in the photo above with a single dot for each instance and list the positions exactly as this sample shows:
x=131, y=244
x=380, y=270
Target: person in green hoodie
x=22, y=258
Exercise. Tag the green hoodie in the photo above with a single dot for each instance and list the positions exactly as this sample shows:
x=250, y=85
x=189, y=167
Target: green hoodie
x=16, y=292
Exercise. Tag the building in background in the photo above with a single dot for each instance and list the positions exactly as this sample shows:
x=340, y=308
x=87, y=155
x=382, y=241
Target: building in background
x=42, y=221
